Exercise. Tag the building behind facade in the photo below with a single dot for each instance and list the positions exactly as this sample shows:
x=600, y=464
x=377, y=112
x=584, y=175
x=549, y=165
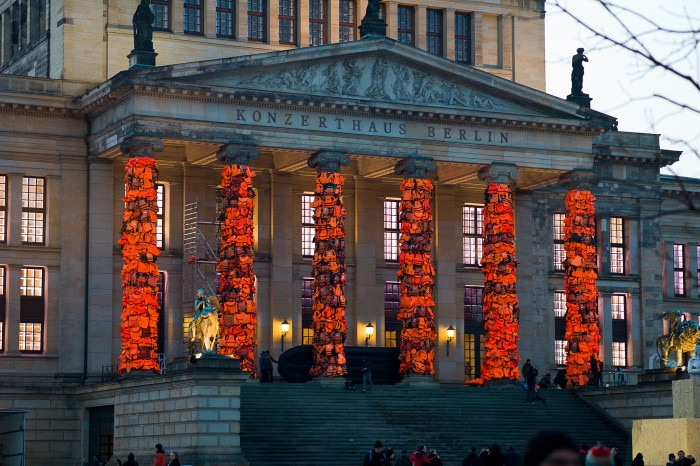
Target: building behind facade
x=458, y=82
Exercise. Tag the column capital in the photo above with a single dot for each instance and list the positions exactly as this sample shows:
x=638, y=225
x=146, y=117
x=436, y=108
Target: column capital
x=501, y=173
x=238, y=152
x=415, y=167
x=327, y=160
x=578, y=179
x=141, y=146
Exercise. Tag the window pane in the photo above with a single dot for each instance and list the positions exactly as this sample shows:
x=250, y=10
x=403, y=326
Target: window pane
x=463, y=48
x=287, y=20
x=161, y=11
x=392, y=297
x=31, y=282
x=346, y=21
x=617, y=306
x=224, y=18
x=472, y=226
x=559, y=304
x=33, y=210
x=317, y=22
x=617, y=245
x=192, y=20
x=3, y=208
x=160, y=216
x=391, y=230
x=30, y=336
x=619, y=353
x=559, y=253
x=473, y=304
x=434, y=31
x=307, y=230
x=307, y=296
x=256, y=20
x=560, y=352
x=406, y=25
x=679, y=269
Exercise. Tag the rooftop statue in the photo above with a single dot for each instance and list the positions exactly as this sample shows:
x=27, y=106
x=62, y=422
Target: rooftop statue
x=143, y=27
x=577, y=72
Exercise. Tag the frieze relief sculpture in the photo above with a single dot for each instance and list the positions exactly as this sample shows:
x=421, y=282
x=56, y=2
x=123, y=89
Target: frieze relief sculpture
x=379, y=79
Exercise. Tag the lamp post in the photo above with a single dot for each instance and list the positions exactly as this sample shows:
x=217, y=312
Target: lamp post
x=285, y=328
x=369, y=331
x=450, y=337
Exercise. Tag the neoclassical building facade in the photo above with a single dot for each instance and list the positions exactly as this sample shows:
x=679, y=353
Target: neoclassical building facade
x=454, y=90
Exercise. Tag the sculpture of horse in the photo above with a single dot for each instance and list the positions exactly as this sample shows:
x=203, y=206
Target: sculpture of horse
x=683, y=335
x=205, y=325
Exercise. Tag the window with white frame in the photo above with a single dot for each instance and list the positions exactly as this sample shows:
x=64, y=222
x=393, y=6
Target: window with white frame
x=617, y=245
x=257, y=17
x=307, y=317
x=161, y=11
x=392, y=231
x=33, y=210
x=434, y=32
x=287, y=19
x=307, y=225
x=3, y=209
x=560, y=352
x=406, y=25
x=619, y=353
x=225, y=15
x=346, y=21
x=472, y=241
x=618, y=303
x=559, y=304
x=192, y=16
x=160, y=216
x=558, y=239
x=2, y=309
x=32, y=312
x=318, y=23
x=679, y=269
x=463, y=38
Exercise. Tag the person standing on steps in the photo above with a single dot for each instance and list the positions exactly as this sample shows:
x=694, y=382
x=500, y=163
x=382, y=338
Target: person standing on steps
x=376, y=456
x=367, y=374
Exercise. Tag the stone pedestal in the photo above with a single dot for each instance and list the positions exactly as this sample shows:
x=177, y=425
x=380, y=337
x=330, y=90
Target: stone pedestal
x=139, y=59
x=655, y=438
x=581, y=99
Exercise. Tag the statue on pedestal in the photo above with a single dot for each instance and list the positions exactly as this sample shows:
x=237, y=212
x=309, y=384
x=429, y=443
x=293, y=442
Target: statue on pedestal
x=683, y=336
x=205, y=324
x=694, y=364
x=577, y=72
x=143, y=27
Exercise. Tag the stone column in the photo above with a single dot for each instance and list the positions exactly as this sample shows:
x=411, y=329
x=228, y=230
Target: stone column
x=139, y=326
x=581, y=270
x=501, y=308
x=237, y=313
x=416, y=271
x=328, y=266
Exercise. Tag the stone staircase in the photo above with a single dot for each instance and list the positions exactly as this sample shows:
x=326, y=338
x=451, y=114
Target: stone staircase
x=321, y=423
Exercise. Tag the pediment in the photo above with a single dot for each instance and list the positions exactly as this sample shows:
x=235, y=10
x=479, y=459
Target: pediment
x=377, y=72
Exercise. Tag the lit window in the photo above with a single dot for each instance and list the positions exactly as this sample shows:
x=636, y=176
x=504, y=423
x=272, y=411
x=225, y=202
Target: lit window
x=287, y=17
x=346, y=21
x=617, y=245
x=392, y=296
x=161, y=11
x=307, y=336
x=192, y=19
x=472, y=242
x=679, y=269
x=560, y=352
x=559, y=304
x=617, y=306
x=317, y=22
x=256, y=20
x=463, y=38
x=160, y=216
x=307, y=225
x=390, y=338
x=391, y=230
x=473, y=303
x=558, y=238
x=31, y=314
x=2, y=309
x=307, y=312
x=33, y=210
x=472, y=355
x=224, y=18
x=406, y=27
x=3, y=209
x=619, y=353
x=434, y=31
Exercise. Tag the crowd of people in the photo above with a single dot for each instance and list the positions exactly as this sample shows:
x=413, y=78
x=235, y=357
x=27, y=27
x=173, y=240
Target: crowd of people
x=545, y=448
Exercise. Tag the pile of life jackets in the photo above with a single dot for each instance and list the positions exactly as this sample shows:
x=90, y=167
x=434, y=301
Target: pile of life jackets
x=415, y=275
x=139, y=317
x=582, y=333
x=500, y=307
x=328, y=269
x=237, y=316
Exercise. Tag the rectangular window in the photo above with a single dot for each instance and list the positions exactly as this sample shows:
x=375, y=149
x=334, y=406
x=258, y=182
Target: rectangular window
x=224, y=18
x=679, y=269
x=391, y=230
x=192, y=19
x=617, y=245
x=390, y=338
x=560, y=352
x=287, y=17
x=697, y=262
x=434, y=31
x=31, y=313
x=472, y=355
x=472, y=242
x=307, y=313
x=406, y=27
x=161, y=11
x=307, y=335
x=160, y=216
x=392, y=296
x=463, y=38
x=307, y=225
x=473, y=304
x=256, y=20
x=559, y=304
x=3, y=209
x=619, y=354
x=346, y=21
x=617, y=306
x=2, y=309
x=559, y=254
x=33, y=210
x=317, y=23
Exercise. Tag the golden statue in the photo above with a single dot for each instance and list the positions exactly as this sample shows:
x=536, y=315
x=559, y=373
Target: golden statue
x=205, y=324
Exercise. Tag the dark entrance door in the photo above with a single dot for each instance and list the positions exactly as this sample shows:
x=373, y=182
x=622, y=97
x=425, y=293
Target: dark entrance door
x=101, y=433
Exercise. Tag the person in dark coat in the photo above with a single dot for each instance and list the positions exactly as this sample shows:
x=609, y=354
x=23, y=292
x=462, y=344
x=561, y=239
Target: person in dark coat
x=472, y=459
x=376, y=456
x=512, y=457
x=638, y=460
x=496, y=456
x=553, y=447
